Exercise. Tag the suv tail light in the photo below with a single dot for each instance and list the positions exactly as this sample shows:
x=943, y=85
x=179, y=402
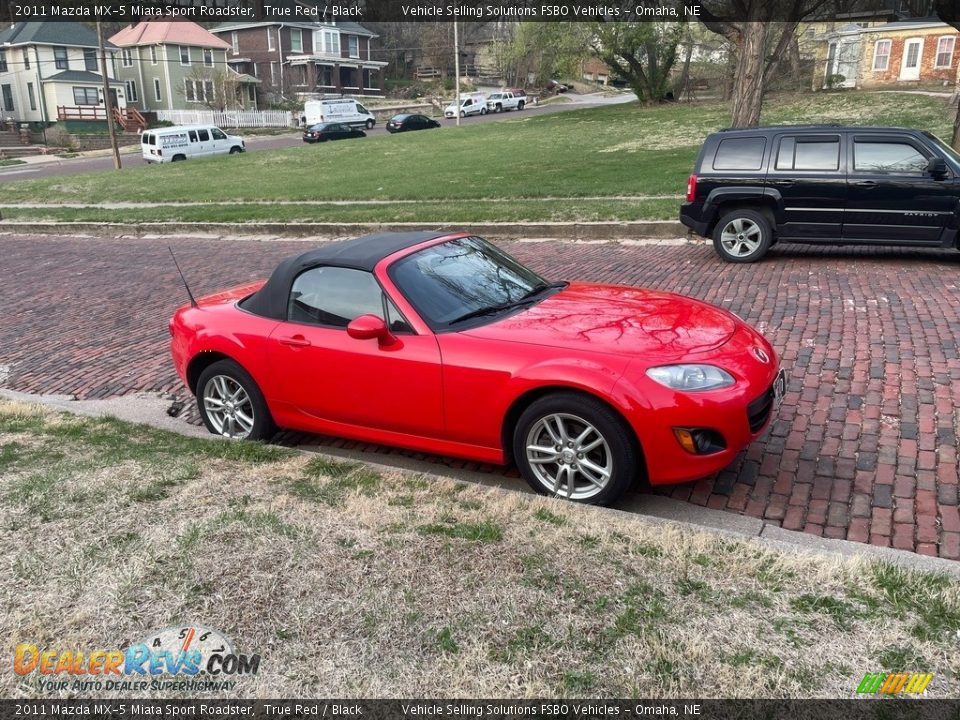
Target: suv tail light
x=691, y=188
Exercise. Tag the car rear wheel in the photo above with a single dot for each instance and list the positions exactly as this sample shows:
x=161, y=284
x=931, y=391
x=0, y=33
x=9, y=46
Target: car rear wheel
x=575, y=447
x=742, y=236
x=178, y=158
x=231, y=404
x=483, y=111
x=520, y=105
x=369, y=124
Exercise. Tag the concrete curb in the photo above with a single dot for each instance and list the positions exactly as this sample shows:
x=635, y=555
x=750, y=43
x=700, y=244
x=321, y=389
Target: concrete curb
x=151, y=410
x=613, y=230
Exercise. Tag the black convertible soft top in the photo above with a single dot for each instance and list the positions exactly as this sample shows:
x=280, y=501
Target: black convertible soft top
x=362, y=253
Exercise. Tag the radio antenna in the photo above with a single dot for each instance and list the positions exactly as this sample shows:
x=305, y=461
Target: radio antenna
x=193, y=300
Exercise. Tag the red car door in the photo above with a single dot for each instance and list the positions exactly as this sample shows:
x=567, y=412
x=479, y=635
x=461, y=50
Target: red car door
x=325, y=373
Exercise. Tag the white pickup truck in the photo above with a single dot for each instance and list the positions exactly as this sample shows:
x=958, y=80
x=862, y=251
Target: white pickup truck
x=506, y=100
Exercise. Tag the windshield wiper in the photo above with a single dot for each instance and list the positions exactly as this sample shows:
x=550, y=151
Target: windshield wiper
x=527, y=297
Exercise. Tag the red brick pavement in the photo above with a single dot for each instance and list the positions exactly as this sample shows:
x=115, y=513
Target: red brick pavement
x=864, y=447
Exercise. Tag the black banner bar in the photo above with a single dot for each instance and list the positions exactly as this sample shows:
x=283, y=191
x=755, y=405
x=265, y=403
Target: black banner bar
x=122, y=709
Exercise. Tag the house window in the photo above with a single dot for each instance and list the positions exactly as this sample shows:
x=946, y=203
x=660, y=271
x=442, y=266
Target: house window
x=60, y=58
x=3, y=61
x=153, y=54
x=32, y=95
x=234, y=42
x=326, y=75
x=26, y=59
x=131, y=86
x=207, y=91
x=7, y=91
x=86, y=96
x=296, y=40
x=208, y=57
x=353, y=43
x=273, y=73
x=945, y=51
x=90, y=60
x=881, y=55
x=156, y=89
x=253, y=92
x=184, y=55
x=126, y=58
x=270, y=43
x=189, y=91
x=331, y=42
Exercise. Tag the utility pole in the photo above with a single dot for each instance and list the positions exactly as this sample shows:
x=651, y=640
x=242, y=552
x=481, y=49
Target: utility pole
x=107, y=104
x=456, y=67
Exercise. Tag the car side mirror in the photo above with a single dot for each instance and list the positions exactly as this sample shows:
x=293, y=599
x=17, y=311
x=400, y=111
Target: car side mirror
x=937, y=167
x=370, y=327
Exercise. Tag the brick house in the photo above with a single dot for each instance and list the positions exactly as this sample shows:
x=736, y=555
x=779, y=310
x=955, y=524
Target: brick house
x=293, y=59
x=177, y=65
x=909, y=53
x=50, y=72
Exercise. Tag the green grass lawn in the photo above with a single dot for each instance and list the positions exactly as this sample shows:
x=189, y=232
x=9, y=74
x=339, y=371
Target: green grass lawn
x=617, y=150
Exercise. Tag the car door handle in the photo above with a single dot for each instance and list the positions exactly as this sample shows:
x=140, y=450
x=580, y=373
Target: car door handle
x=785, y=183
x=867, y=183
x=295, y=341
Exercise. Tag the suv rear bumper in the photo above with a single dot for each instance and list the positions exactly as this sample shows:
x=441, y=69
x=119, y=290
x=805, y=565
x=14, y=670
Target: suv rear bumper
x=692, y=216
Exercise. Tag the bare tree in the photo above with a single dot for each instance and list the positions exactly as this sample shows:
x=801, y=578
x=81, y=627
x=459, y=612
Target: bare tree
x=642, y=53
x=214, y=87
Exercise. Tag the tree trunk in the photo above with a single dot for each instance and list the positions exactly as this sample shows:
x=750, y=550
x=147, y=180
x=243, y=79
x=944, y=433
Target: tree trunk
x=749, y=79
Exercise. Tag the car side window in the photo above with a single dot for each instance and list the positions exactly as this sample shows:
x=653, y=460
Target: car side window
x=334, y=296
x=218, y=134
x=888, y=157
x=203, y=135
x=813, y=153
x=193, y=135
x=740, y=154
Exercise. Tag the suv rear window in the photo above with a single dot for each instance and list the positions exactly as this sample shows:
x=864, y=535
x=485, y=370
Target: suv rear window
x=740, y=154
x=813, y=154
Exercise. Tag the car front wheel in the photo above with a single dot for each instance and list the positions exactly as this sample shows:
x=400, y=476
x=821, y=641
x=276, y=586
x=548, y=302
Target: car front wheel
x=231, y=404
x=575, y=447
x=742, y=236
x=369, y=124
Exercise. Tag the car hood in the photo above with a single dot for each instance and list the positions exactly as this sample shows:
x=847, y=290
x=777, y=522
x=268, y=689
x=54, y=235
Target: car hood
x=616, y=319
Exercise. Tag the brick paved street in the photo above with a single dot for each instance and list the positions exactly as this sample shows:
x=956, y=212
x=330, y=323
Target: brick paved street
x=865, y=445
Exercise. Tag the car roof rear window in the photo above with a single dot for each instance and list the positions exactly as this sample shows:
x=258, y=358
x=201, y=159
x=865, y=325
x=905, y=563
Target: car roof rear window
x=744, y=153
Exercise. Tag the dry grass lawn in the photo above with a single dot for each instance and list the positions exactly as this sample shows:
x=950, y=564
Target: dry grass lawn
x=349, y=582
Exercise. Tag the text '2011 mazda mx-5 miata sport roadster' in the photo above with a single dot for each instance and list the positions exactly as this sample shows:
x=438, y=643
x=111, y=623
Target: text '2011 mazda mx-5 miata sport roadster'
x=442, y=343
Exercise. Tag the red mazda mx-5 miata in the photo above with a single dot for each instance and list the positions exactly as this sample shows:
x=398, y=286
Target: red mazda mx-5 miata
x=442, y=343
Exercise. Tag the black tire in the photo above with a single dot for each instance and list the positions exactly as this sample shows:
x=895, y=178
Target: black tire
x=520, y=105
x=370, y=124
x=236, y=150
x=742, y=249
x=624, y=454
x=499, y=108
x=263, y=426
x=483, y=111
x=178, y=158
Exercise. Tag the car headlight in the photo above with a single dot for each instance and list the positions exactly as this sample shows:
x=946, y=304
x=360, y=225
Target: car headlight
x=690, y=378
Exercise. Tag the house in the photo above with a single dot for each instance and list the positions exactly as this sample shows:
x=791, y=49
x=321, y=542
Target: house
x=178, y=65
x=50, y=72
x=293, y=59
x=906, y=53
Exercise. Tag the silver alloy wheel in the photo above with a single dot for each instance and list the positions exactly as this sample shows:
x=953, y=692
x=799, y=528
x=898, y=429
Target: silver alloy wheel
x=741, y=237
x=228, y=407
x=569, y=456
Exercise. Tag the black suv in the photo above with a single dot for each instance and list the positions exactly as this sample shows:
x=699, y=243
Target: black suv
x=823, y=183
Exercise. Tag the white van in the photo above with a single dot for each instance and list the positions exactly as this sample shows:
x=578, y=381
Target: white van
x=346, y=111
x=472, y=104
x=171, y=144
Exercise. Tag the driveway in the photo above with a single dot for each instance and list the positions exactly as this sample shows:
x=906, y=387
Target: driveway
x=864, y=446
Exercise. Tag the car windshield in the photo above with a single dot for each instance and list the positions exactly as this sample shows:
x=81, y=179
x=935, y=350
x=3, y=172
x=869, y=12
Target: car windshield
x=947, y=150
x=466, y=279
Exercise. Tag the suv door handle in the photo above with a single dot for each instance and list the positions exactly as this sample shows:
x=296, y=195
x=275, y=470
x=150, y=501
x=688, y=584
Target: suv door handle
x=786, y=183
x=867, y=183
x=295, y=341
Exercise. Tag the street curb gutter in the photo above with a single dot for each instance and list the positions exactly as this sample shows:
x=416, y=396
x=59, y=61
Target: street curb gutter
x=655, y=509
x=607, y=230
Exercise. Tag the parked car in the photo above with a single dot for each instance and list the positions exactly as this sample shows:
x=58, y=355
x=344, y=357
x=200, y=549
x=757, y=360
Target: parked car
x=180, y=142
x=342, y=110
x=823, y=184
x=555, y=86
x=472, y=104
x=330, y=131
x=506, y=100
x=442, y=343
x=405, y=122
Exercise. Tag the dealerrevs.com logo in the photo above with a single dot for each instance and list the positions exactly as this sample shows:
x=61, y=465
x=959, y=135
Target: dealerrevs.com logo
x=189, y=658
